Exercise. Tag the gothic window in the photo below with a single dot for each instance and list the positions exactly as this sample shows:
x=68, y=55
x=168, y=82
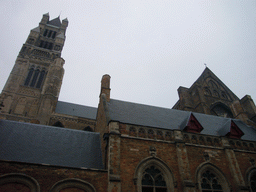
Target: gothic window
x=54, y=34
x=50, y=33
x=45, y=32
x=50, y=46
x=152, y=175
x=33, y=82
x=209, y=182
x=41, y=43
x=211, y=179
x=41, y=78
x=35, y=77
x=45, y=45
x=30, y=73
x=252, y=181
x=153, y=180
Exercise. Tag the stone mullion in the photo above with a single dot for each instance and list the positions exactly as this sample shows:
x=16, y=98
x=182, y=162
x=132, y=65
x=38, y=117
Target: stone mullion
x=114, y=158
x=183, y=163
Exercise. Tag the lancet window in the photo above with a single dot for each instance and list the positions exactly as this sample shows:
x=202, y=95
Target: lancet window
x=35, y=77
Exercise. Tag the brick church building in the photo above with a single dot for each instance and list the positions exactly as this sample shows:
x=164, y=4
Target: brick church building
x=205, y=143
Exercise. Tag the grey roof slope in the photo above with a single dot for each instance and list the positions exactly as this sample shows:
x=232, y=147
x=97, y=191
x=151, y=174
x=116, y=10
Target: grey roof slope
x=151, y=116
x=55, y=22
x=40, y=144
x=76, y=110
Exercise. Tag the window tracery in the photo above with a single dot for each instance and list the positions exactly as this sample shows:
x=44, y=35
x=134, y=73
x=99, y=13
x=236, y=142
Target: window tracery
x=210, y=182
x=211, y=179
x=153, y=175
x=153, y=180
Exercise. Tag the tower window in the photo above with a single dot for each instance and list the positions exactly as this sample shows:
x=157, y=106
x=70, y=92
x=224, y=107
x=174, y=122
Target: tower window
x=50, y=33
x=30, y=73
x=45, y=32
x=40, y=80
x=35, y=77
x=33, y=82
x=54, y=34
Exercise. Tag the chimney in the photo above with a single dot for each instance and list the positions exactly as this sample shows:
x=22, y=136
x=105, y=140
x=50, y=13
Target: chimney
x=105, y=86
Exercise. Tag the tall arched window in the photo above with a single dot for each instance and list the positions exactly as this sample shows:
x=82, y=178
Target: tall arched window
x=210, y=182
x=30, y=73
x=211, y=179
x=33, y=82
x=251, y=179
x=253, y=182
x=35, y=78
x=153, y=175
x=40, y=80
x=153, y=180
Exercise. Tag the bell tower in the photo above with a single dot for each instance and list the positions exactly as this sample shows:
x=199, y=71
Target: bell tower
x=32, y=89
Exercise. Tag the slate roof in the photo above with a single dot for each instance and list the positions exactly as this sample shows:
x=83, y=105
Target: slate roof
x=164, y=118
x=40, y=144
x=55, y=22
x=76, y=110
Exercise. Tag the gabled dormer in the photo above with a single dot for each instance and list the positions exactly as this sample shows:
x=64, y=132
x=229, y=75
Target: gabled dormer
x=231, y=130
x=191, y=124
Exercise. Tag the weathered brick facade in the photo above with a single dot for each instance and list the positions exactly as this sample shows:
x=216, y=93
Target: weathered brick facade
x=143, y=148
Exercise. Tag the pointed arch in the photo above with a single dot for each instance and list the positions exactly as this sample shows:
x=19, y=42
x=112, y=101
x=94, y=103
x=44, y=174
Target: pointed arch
x=72, y=184
x=220, y=109
x=211, y=178
x=250, y=178
x=154, y=175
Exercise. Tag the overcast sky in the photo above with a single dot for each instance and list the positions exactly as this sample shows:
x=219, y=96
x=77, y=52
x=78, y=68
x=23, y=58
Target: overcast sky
x=148, y=47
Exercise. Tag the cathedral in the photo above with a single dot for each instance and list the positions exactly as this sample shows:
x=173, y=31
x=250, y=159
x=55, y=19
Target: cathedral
x=205, y=143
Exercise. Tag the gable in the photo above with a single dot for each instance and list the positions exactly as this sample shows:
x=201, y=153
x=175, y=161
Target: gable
x=193, y=125
x=234, y=132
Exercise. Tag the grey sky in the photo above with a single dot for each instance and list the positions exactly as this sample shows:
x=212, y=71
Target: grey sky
x=148, y=47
